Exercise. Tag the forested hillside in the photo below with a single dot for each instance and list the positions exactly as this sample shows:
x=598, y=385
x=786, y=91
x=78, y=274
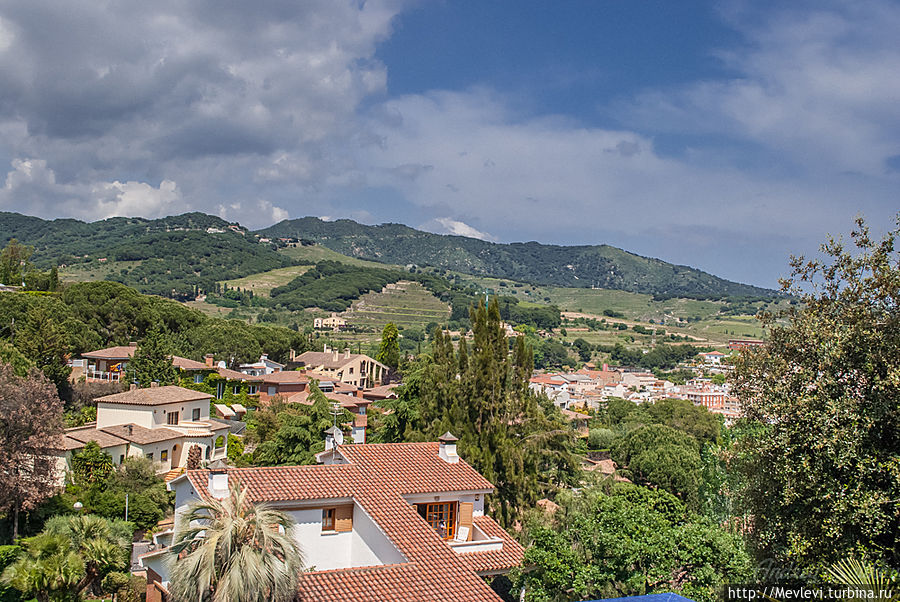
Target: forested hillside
x=174, y=256
x=577, y=266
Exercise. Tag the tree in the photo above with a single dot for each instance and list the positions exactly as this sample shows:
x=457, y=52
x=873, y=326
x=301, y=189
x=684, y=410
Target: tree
x=389, y=352
x=30, y=425
x=659, y=455
x=584, y=349
x=44, y=340
x=14, y=262
x=91, y=465
x=623, y=540
x=70, y=556
x=152, y=362
x=232, y=550
x=823, y=395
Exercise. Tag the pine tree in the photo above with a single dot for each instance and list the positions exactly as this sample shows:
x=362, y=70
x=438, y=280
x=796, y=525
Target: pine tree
x=151, y=362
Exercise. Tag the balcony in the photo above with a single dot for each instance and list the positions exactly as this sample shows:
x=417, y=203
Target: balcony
x=480, y=543
x=92, y=375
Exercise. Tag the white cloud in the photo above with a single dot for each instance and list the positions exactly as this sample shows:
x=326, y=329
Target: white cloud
x=136, y=198
x=446, y=225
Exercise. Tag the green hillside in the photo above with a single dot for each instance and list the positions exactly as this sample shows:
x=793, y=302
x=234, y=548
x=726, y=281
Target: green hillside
x=576, y=266
x=407, y=304
x=175, y=257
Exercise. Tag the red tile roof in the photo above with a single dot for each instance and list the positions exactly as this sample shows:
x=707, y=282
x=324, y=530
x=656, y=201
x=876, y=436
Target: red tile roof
x=155, y=396
x=377, y=477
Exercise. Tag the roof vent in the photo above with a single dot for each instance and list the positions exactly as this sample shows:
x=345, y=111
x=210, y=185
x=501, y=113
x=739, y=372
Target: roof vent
x=447, y=450
x=218, y=479
x=154, y=384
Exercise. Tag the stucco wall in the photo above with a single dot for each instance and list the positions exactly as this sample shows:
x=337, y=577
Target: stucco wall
x=322, y=550
x=370, y=546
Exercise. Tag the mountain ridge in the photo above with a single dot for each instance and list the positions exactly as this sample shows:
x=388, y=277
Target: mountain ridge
x=156, y=242
x=580, y=266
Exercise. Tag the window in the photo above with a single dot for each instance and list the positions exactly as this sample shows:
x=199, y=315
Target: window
x=328, y=519
x=195, y=414
x=273, y=391
x=351, y=369
x=172, y=418
x=441, y=517
x=150, y=456
x=198, y=378
x=220, y=390
x=236, y=390
x=121, y=458
x=207, y=453
x=252, y=389
x=164, y=455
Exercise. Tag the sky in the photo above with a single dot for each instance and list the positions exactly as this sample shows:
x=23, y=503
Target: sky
x=721, y=135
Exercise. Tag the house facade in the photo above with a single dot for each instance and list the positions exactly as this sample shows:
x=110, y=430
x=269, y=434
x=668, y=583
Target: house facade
x=111, y=365
x=159, y=423
x=402, y=521
x=355, y=369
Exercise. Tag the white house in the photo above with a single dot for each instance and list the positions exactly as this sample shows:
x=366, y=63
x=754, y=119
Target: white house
x=400, y=521
x=160, y=423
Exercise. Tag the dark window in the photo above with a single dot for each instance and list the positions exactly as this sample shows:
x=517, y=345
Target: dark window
x=164, y=455
x=195, y=414
x=328, y=519
x=172, y=418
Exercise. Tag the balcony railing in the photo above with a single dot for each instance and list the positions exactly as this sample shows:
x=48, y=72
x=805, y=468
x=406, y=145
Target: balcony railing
x=99, y=375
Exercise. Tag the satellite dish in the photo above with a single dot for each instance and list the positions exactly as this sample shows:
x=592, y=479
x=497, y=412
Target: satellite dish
x=338, y=437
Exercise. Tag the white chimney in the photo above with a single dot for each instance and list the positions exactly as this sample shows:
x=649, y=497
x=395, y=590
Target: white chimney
x=346, y=353
x=218, y=479
x=447, y=449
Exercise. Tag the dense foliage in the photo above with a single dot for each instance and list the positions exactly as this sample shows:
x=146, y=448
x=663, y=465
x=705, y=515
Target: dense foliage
x=618, y=540
x=480, y=394
x=332, y=286
x=822, y=458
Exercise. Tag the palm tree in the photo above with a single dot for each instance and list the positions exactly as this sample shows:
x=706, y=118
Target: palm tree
x=69, y=557
x=231, y=550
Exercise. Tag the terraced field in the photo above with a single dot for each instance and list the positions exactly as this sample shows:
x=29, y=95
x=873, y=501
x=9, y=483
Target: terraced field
x=264, y=282
x=406, y=304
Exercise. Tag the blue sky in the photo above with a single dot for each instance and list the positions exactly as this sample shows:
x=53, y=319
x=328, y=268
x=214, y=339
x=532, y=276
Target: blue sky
x=721, y=135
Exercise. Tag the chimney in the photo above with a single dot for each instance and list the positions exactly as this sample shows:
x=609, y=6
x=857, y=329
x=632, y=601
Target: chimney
x=209, y=359
x=133, y=387
x=154, y=384
x=293, y=354
x=218, y=479
x=132, y=343
x=447, y=450
x=325, y=348
x=129, y=428
x=359, y=392
x=335, y=355
x=333, y=437
x=606, y=367
x=346, y=353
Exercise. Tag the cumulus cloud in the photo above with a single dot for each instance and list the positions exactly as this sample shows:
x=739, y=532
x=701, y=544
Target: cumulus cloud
x=446, y=225
x=216, y=97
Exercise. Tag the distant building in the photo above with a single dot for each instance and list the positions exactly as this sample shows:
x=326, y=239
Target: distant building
x=334, y=323
x=355, y=369
x=738, y=344
x=111, y=364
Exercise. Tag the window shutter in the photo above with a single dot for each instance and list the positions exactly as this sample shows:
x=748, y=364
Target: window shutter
x=343, y=518
x=465, y=516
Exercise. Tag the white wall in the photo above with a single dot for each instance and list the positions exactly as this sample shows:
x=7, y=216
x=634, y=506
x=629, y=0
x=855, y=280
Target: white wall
x=370, y=545
x=321, y=549
x=110, y=414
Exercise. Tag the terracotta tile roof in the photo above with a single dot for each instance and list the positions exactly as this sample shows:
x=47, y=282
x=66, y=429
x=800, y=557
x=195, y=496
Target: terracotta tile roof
x=140, y=435
x=235, y=375
x=493, y=561
x=376, y=477
x=154, y=396
x=290, y=376
x=381, y=392
x=184, y=363
x=122, y=352
x=83, y=434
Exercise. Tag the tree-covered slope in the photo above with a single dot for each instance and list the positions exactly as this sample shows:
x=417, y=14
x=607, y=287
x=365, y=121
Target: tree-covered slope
x=574, y=266
x=174, y=256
